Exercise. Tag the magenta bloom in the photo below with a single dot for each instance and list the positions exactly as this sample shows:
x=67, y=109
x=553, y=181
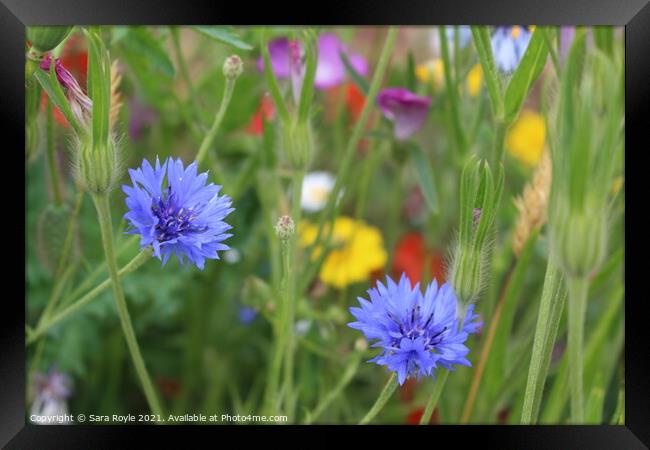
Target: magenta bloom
x=80, y=104
x=406, y=110
x=330, y=71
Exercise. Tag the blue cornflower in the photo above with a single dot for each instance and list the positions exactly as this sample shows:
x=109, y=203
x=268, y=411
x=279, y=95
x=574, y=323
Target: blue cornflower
x=418, y=332
x=464, y=35
x=509, y=45
x=182, y=216
x=246, y=315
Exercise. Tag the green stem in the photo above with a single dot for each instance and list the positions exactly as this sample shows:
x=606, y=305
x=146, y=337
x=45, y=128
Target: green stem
x=386, y=393
x=344, y=169
x=345, y=379
x=69, y=234
x=499, y=140
x=578, y=288
x=51, y=157
x=490, y=73
x=435, y=396
x=548, y=322
x=136, y=262
x=104, y=216
x=184, y=72
x=218, y=118
x=452, y=93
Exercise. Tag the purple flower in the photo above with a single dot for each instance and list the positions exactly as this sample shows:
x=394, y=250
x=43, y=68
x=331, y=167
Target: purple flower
x=51, y=393
x=80, y=104
x=183, y=216
x=417, y=332
x=330, y=70
x=509, y=45
x=405, y=109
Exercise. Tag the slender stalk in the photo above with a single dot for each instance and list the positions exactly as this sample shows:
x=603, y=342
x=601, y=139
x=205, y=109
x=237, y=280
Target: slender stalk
x=346, y=161
x=578, y=288
x=452, y=93
x=104, y=216
x=386, y=393
x=218, y=118
x=48, y=323
x=499, y=140
x=345, y=379
x=51, y=157
x=182, y=64
x=548, y=322
x=69, y=233
x=435, y=396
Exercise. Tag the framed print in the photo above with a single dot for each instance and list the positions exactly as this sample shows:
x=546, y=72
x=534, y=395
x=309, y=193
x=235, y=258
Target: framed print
x=370, y=216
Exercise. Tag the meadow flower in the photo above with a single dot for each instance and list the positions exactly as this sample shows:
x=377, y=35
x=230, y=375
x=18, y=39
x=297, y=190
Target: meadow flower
x=316, y=187
x=464, y=35
x=265, y=112
x=246, y=314
x=509, y=45
x=358, y=251
x=526, y=138
x=405, y=109
x=411, y=256
x=183, y=216
x=80, y=104
x=417, y=332
x=51, y=393
x=330, y=70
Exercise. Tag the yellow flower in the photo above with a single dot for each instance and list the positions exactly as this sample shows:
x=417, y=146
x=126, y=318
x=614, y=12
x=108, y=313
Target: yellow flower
x=431, y=71
x=526, y=138
x=474, y=80
x=358, y=251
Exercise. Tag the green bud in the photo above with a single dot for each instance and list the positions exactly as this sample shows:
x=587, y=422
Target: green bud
x=480, y=195
x=98, y=167
x=45, y=39
x=233, y=67
x=297, y=140
x=285, y=228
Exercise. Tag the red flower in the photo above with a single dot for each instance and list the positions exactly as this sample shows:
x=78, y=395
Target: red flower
x=414, y=417
x=265, y=111
x=410, y=257
x=354, y=99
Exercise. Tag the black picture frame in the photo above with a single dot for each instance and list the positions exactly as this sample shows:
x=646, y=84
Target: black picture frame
x=634, y=15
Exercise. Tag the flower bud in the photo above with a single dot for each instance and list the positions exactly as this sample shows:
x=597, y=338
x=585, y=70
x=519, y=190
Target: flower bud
x=47, y=38
x=297, y=142
x=98, y=166
x=285, y=228
x=467, y=273
x=233, y=67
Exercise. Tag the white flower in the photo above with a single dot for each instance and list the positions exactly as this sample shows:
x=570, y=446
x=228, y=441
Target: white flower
x=316, y=188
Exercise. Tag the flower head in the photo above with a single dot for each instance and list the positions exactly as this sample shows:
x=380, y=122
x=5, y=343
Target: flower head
x=358, y=251
x=316, y=188
x=80, y=104
x=405, y=109
x=182, y=216
x=509, y=45
x=330, y=70
x=417, y=332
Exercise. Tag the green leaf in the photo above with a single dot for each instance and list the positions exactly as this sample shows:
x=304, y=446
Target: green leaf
x=223, y=35
x=529, y=69
x=141, y=41
x=357, y=78
x=99, y=87
x=424, y=176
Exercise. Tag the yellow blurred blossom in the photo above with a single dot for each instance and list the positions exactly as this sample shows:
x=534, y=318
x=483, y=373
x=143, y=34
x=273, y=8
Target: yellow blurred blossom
x=526, y=138
x=474, y=80
x=358, y=250
x=431, y=71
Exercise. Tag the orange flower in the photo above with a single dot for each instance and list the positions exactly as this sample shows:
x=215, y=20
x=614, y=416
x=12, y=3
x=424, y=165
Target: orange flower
x=354, y=100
